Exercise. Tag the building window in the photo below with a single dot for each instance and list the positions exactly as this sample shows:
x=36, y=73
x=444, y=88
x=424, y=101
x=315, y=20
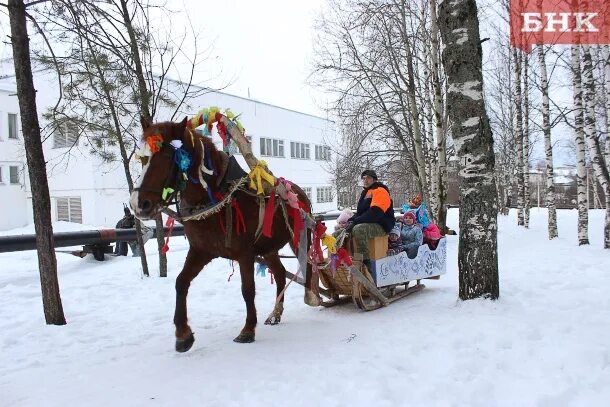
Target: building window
x=1, y=181
x=307, y=191
x=299, y=150
x=65, y=136
x=14, y=174
x=322, y=153
x=272, y=147
x=69, y=210
x=233, y=149
x=12, y=126
x=324, y=194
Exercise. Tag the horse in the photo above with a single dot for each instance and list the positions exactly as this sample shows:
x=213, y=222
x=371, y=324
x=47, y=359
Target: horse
x=208, y=237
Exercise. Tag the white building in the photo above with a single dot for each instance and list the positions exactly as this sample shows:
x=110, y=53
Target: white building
x=83, y=189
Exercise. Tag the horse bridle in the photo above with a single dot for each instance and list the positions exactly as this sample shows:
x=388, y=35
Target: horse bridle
x=172, y=197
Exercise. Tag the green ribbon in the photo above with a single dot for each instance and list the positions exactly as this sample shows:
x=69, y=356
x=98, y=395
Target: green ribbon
x=166, y=191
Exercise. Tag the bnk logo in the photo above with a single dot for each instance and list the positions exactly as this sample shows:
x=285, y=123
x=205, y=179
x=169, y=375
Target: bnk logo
x=535, y=22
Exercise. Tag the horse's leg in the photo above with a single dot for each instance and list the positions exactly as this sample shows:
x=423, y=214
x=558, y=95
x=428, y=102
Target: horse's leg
x=246, y=270
x=279, y=272
x=194, y=263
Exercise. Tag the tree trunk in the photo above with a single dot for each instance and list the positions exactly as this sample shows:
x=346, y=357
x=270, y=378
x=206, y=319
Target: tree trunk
x=595, y=150
x=517, y=56
x=417, y=134
x=122, y=147
x=581, y=174
x=462, y=60
x=441, y=136
x=146, y=114
x=548, y=147
x=41, y=202
x=606, y=54
x=526, y=144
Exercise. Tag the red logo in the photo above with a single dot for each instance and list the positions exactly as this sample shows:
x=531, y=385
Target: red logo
x=536, y=22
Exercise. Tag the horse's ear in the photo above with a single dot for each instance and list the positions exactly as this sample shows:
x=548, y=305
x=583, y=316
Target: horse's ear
x=183, y=122
x=145, y=123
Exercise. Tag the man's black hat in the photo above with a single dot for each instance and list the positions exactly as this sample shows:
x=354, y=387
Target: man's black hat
x=370, y=173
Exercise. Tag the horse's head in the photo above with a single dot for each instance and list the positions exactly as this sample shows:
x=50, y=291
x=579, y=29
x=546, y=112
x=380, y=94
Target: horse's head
x=171, y=157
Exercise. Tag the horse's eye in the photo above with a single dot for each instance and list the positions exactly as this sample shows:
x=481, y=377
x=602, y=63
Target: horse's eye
x=144, y=161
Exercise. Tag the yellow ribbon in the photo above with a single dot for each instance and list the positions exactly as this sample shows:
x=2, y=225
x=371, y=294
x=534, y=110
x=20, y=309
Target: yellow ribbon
x=195, y=121
x=257, y=175
x=330, y=242
x=212, y=114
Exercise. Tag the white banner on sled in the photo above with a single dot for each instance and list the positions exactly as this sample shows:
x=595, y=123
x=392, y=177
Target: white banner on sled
x=400, y=268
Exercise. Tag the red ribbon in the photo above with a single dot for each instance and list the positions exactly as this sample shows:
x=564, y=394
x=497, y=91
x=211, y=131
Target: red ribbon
x=343, y=256
x=319, y=231
x=170, y=224
x=240, y=218
x=297, y=222
x=222, y=132
x=269, y=212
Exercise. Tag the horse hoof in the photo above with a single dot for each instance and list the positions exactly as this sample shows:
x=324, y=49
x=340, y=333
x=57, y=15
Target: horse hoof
x=182, y=345
x=244, y=337
x=273, y=320
x=311, y=299
x=276, y=315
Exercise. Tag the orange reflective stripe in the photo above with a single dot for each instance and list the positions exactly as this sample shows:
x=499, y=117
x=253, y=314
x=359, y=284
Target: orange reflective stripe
x=380, y=198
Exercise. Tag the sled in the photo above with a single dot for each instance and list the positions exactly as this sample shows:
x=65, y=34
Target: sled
x=387, y=280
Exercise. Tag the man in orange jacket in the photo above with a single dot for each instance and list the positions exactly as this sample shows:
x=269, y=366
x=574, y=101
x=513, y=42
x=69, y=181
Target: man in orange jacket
x=374, y=213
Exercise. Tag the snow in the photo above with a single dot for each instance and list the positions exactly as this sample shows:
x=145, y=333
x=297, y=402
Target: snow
x=545, y=342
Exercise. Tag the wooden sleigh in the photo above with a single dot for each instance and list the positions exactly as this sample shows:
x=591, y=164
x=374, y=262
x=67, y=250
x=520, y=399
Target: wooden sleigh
x=388, y=279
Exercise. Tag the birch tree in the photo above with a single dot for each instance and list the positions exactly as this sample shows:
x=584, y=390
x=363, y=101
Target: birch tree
x=548, y=147
x=439, y=123
x=518, y=60
x=593, y=141
x=41, y=202
x=579, y=136
x=462, y=60
x=606, y=92
x=526, y=143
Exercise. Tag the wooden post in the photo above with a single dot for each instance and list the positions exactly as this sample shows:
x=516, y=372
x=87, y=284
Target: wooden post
x=242, y=143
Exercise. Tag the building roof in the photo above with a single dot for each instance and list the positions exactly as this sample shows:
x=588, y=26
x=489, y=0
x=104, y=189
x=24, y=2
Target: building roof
x=7, y=80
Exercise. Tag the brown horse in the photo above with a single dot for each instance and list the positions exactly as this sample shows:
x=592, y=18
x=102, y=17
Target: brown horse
x=207, y=237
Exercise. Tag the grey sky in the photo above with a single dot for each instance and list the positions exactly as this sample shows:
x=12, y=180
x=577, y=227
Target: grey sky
x=263, y=46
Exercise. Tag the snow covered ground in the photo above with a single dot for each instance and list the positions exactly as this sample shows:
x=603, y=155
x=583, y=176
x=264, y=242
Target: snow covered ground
x=546, y=342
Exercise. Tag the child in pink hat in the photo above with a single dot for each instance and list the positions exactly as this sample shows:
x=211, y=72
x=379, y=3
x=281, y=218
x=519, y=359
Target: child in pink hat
x=345, y=215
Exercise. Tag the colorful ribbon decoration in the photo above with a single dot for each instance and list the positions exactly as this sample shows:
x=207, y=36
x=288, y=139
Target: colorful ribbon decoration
x=155, y=142
x=170, y=224
x=257, y=175
x=269, y=212
x=330, y=242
